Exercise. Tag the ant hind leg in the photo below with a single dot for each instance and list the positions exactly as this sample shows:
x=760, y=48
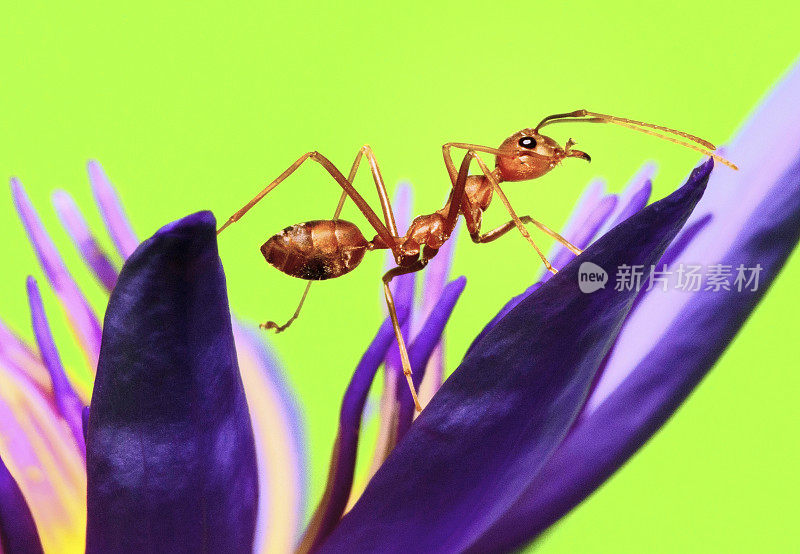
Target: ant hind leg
x=387, y=278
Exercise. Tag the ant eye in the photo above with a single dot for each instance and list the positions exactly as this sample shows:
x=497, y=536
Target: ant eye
x=528, y=142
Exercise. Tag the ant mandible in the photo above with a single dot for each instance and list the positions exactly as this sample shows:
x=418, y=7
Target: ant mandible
x=324, y=249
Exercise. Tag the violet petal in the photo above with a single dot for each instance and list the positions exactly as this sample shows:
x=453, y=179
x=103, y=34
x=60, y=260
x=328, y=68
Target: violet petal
x=171, y=461
x=609, y=434
x=79, y=313
x=18, y=533
x=17, y=356
x=497, y=419
x=113, y=213
x=281, y=451
x=67, y=401
x=93, y=255
x=343, y=461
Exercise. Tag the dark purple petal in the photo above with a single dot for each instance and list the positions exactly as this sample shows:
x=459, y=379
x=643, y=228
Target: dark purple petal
x=497, y=419
x=592, y=214
x=343, y=461
x=93, y=255
x=634, y=197
x=112, y=211
x=67, y=401
x=683, y=240
x=171, y=461
x=79, y=313
x=340, y=474
x=510, y=305
x=609, y=434
x=18, y=533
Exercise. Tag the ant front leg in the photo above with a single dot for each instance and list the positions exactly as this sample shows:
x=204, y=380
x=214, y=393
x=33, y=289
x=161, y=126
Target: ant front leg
x=387, y=278
x=472, y=215
x=495, y=234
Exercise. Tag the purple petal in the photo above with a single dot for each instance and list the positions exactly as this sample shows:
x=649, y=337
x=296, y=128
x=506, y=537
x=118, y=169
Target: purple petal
x=611, y=432
x=171, y=459
x=510, y=305
x=18, y=534
x=498, y=418
x=591, y=215
x=634, y=197
x=112, y=211
x=343, y=462
x=674, y=338
x=79, y=313
x=340, y=475
x=766, y=150
x=17, y=356
x=688, y=234
x=85, y=242
x=592, y=219
x=67, y=401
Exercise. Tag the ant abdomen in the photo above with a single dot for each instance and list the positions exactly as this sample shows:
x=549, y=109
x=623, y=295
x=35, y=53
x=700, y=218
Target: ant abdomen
x=316, y=250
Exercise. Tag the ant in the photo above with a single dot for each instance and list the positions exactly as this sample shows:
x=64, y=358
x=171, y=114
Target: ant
x=325, y=249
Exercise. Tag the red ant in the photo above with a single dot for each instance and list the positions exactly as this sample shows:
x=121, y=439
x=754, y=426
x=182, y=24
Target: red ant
x=324, y=249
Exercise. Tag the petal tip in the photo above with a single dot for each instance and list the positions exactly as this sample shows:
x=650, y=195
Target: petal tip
x=193, y=223
x=703, y=170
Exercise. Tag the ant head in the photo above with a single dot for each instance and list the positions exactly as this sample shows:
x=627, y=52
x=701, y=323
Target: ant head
x=531, y=155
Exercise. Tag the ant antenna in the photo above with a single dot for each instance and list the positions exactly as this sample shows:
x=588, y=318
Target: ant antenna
x=641, y=126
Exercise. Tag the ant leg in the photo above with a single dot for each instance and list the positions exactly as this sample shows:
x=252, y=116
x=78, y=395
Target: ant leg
x=281, y=328
x=388, y=216
x=548, y=231
x=419, y=264
x=514, y=217
x=495, y=234
x=386, y=235
x=386, y=206
x=448, y=159
x=383, y=232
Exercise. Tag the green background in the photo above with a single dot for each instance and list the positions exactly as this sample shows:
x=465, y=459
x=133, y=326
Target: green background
x=198, y=106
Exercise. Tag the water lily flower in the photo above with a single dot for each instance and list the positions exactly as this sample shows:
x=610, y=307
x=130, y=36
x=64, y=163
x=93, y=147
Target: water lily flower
x=39, y=401
x=190, y=432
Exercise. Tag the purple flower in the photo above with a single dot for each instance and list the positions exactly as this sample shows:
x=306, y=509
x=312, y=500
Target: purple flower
x=193, y=442
x=167, y=456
